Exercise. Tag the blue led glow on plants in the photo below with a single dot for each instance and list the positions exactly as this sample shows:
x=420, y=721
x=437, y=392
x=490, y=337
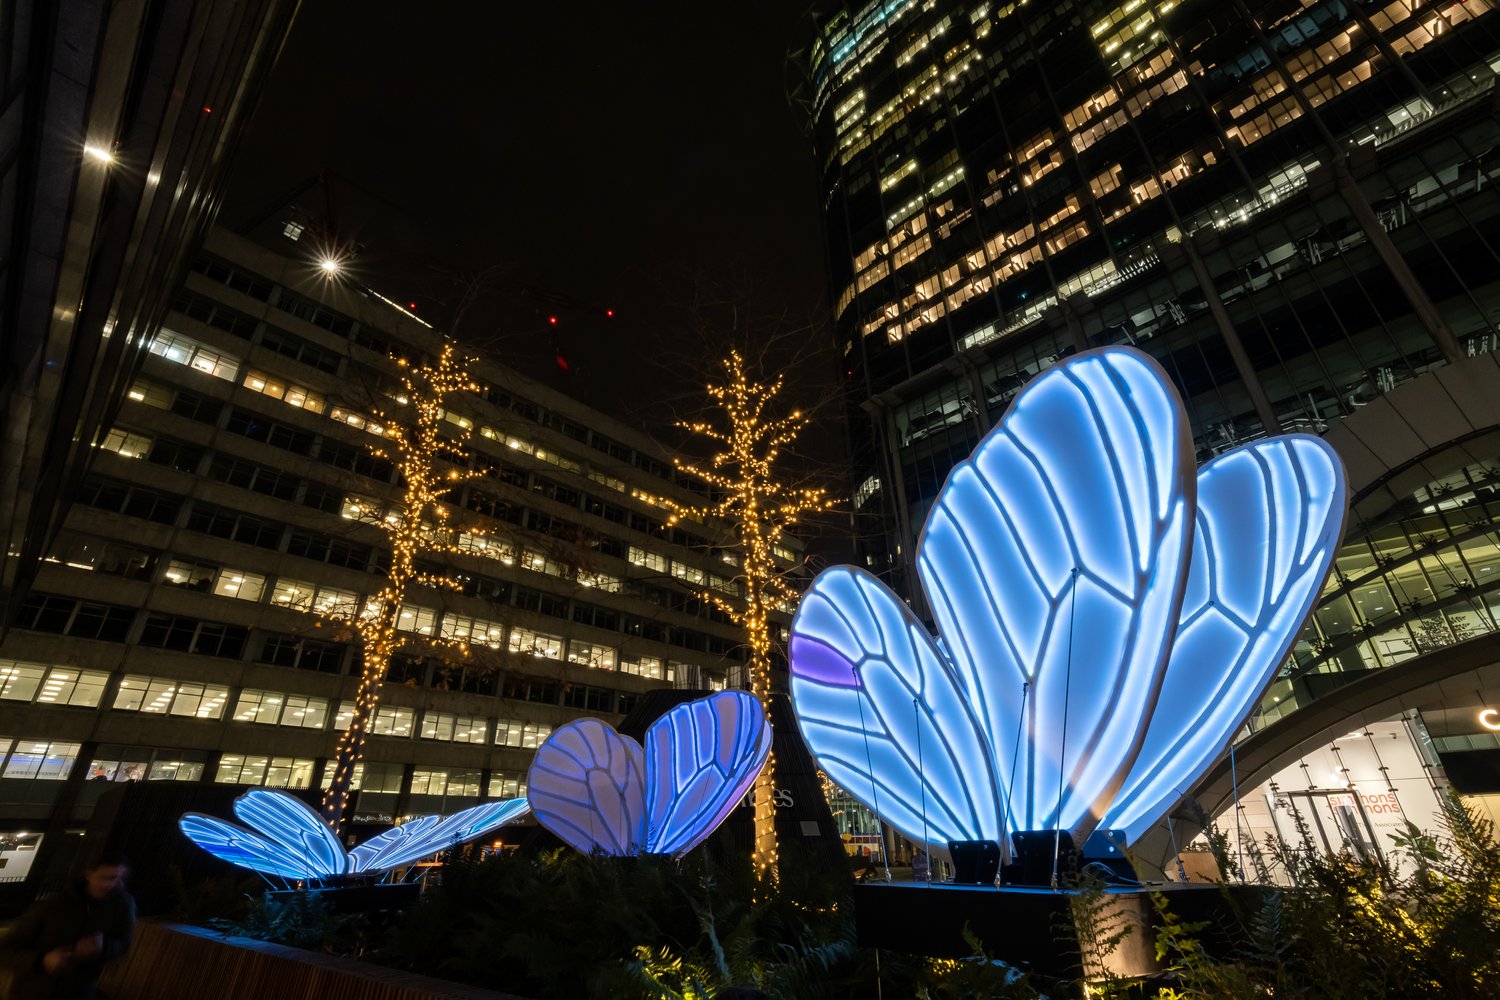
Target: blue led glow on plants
x=604, y=793
x=287, y=839
x=1106, y=617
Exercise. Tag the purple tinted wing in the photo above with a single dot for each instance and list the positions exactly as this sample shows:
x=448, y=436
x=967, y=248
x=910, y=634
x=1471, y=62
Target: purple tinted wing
x=882, y=713
x=588, y=786
x=701, y=759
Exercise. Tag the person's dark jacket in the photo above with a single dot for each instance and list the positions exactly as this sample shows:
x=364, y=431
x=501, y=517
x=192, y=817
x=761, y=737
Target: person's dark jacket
x=58, y=921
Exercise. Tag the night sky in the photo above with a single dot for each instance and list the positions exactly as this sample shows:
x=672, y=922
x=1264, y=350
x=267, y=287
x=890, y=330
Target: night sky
x=586, y=156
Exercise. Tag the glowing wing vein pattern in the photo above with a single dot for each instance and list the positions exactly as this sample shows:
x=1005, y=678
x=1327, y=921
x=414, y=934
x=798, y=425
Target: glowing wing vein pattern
x=233, y=843
x=428, y=835
x=587, y=784
x=703, y=760
x=1270, y=516
x=289, y=840
x=292, y=824
x=604, y=793
x=1106, y=615
x=875, y=698
x=1074, y=510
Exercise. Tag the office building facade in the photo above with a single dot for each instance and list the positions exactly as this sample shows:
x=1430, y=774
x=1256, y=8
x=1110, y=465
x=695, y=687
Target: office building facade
x=185, y=624
x=1289, y=204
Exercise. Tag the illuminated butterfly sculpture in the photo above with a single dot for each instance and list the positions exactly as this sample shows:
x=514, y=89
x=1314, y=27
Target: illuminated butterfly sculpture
x=604, y=793
x=1107, y=615
x=288, y=840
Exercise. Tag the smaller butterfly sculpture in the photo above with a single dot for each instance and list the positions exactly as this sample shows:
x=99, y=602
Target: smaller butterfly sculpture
x=604, y=793
x=287, y=839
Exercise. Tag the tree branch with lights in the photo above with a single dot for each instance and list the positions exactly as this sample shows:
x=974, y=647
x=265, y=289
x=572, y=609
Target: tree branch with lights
x=414, y=441
x=753, y=493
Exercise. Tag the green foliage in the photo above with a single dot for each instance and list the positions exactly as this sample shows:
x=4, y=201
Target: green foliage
x=565, y=925
x=568, y=925
x=1425, y=924
x=298, y=919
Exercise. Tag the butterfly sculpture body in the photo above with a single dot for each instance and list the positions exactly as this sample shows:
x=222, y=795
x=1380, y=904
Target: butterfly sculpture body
x=605, y=793
x=1108, y=615
x=285, y=838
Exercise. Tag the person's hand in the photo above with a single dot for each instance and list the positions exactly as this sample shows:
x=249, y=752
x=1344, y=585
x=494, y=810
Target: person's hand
x=88, y=947
x=56, y=960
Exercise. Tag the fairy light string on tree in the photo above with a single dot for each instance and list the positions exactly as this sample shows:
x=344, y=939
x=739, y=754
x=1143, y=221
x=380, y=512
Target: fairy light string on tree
x=754, y=495
x=430, y=454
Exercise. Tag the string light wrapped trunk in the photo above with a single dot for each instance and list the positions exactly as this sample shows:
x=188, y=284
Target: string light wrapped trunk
x=419, y=529
x=754, y=497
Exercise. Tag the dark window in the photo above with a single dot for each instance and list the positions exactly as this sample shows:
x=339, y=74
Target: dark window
x=530, y=689
x=169, y=632
x=625, y=702
x=106, y=494
x=556, y=491
x=324, y=498
x=152, y=506
x=250, y=476
x=546, y=524
x=493, y=506
x=603, y=508
x=373, y=341
x=592, y=699
x=224, y=523
x=215, y=639
x=211, y=313
x=291, y=346
x=272, y=432
x=652, y=466
x=189, y=635
x=111, y=495
x=335, y=551
x=195, y=407
x=318, y=315
x=84, y=619
x=486, y=587
x=592, y=614
x=175, y=455
x=303, y=654
x=614, y=449
x=354, y=459
x=233, y=277
x=404, y=669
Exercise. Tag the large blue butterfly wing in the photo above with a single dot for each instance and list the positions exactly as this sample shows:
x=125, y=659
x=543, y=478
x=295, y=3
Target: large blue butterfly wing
x=701, y=759
x=588, y=786
x=394, y=847
x=233, y=843
x=288, y=821
x=427, y=835
x=1270, y=519
x=1054, y=560
x=879, y=708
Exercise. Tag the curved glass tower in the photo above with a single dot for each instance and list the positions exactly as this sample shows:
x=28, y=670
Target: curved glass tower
x=1290, y=204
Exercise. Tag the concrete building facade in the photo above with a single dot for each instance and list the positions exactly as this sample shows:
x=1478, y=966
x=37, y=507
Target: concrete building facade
x=178, y=629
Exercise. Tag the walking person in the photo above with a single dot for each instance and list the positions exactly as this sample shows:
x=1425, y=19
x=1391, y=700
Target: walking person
x=57, y=948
